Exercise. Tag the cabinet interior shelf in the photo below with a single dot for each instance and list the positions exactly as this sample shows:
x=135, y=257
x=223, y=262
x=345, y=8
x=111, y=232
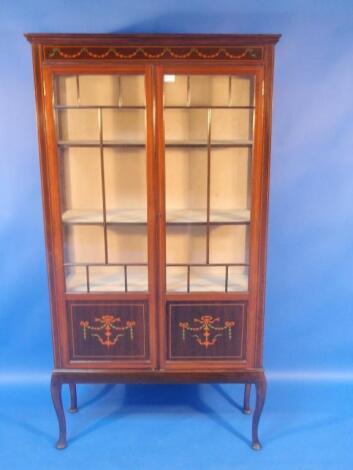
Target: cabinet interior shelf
x=170, y=143
x=62, y=106
x=138, y=216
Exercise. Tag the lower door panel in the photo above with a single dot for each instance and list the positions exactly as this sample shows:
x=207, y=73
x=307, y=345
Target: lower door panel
x=115, y=331
x=206, y=331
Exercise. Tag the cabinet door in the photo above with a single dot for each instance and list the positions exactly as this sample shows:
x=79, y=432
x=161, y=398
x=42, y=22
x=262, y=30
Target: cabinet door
x=207, y=228
x=103, y=148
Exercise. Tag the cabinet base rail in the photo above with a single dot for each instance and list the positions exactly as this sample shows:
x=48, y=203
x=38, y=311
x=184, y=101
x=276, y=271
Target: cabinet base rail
x=73, y=377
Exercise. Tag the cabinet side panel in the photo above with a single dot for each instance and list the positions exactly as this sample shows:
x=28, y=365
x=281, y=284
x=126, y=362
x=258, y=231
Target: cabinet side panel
x=266, y=154
x=41, y=128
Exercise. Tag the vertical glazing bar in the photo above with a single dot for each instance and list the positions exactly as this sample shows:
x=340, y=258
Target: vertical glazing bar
x=100, y=124
x=119, y=92
x=78, y=90
x=87, y=277
x=209, y=119
x=125, y=277
x=188, y=279
x=230, y=91
x=226, y=280
x=188, y=96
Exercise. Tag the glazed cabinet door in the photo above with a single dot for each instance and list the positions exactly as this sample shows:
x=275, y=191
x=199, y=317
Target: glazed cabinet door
x=208, y=211
x=101, y=162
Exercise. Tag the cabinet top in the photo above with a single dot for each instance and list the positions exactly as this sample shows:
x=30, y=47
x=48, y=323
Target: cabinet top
x=152, y=39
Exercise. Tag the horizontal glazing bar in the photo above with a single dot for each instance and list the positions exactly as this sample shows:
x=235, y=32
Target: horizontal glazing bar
x=104, y=265
x=237, y=222
x=96, y=143
x=63, y=106
x=222, y=143
x=199, y=265
x=128, y=223
x=208, y=107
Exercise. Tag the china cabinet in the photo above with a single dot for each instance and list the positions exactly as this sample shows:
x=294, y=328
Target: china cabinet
x=154, y=153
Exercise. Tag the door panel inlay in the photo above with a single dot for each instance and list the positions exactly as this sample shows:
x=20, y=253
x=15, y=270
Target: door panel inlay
x=206, y=330
x=114, y=330
x=107, y=329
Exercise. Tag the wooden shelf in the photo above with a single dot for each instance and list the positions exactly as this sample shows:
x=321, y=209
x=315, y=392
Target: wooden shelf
x=139, y=216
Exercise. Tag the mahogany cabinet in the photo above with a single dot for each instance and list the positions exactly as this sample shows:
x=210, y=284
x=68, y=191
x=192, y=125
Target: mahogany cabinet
x=154, y=153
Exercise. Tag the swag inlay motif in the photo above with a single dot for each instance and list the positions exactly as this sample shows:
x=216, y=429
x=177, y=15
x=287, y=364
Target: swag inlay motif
x=107, y=329
x=208, y=331
x=150, y=52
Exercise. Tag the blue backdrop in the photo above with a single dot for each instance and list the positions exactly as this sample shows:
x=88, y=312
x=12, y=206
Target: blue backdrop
x=309, y=279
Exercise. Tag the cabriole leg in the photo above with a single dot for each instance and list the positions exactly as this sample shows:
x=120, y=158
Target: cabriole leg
x=247, y=391
x=56, y=387
x=260, y=400
x=73, y=397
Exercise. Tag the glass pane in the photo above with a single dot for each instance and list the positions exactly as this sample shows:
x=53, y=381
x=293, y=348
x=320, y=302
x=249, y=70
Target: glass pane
x=76, y=279
x=231, y=125
x=106, y=278
x=177, y=278
x=83, y=244
x=186, y=244
x=230, y=184
x=102, y=160
x=207, y=278
x=175, y=90
x=208, y=124
x=127, y=243
x=242, y=91
x=81, y=184
x=126, y=126
x=137, y=278
x=66, y=90
x=78, y=125
x=132, y=90
x=186, y=184
x=209, y=90
x=238, y=278
x=102, y=90
x=188, y=126
x=125, y=184
x=229, y=244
